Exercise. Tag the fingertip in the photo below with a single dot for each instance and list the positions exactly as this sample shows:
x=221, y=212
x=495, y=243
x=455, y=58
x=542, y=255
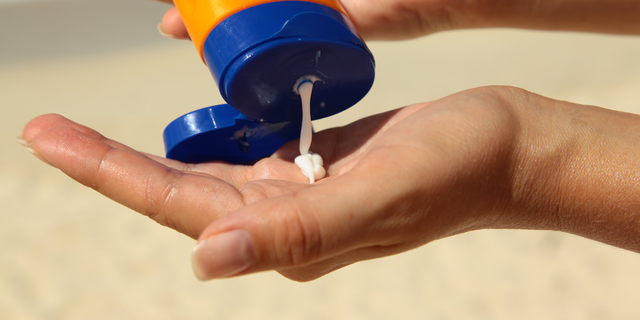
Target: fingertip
x=46, y=122
x=282, y=235
x=165, y=34
x=29, y=147
x=172, y=25
x=54, y=145
x=223, y=255
x=36, y=135
x=38, y=125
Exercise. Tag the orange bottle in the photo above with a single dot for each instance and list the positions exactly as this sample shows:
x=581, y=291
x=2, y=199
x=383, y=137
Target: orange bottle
x=257, y=50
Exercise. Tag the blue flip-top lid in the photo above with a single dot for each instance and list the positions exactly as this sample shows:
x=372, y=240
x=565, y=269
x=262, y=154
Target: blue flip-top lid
x=222, y=133
x=257, y=55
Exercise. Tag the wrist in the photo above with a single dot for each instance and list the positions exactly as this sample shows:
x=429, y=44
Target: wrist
x=578, y=172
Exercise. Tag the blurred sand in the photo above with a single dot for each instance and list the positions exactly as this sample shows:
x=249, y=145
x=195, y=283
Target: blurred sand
x=69, y=253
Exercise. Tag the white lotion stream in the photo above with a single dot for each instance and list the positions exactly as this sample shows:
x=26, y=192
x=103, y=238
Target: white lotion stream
x=309, y=163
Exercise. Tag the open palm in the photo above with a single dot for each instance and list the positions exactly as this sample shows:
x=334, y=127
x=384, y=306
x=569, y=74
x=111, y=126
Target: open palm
x=394, y=181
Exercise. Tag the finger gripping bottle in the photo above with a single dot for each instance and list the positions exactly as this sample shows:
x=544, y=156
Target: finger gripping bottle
x=257, y=50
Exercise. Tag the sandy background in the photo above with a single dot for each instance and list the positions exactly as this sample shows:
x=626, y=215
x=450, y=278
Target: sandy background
x=69, y=253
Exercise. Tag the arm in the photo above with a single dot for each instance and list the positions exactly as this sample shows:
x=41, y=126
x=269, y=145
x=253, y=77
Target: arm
x=484, y=158
x=579, y=167
x=404, y=19
x=602, y=16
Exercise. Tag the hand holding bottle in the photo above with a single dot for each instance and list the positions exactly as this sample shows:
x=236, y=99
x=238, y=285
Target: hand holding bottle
x=405, y=19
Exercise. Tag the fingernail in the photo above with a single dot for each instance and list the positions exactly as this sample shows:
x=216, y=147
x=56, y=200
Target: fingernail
x=223, y=255
x=164, y=34
x=26, y=145
x=22, y=142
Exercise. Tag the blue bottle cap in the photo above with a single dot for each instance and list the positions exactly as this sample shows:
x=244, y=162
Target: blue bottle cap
x=221, y=133
x=257, y=55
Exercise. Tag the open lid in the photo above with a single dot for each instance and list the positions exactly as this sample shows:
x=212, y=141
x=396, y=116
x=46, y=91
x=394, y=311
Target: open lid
x=221, y=133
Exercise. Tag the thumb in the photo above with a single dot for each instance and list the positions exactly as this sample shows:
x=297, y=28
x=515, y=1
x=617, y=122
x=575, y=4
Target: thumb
x=314, y=225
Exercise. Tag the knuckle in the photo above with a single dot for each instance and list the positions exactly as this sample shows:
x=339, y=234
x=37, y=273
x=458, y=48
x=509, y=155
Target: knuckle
x=300, y=241
x=159, y=202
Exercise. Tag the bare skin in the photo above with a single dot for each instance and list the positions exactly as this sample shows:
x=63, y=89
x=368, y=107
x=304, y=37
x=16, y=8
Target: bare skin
x=494, y=157
x=405, y=19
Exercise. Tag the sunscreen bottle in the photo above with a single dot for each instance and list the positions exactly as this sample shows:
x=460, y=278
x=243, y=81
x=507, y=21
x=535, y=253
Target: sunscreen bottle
x=257, y=50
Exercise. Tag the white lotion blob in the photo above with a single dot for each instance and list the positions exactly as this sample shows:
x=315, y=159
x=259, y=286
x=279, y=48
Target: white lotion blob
x=309, y=163
x=311, y=166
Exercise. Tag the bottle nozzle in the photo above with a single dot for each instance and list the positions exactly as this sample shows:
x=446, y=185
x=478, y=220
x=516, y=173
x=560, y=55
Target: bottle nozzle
x=302, y=80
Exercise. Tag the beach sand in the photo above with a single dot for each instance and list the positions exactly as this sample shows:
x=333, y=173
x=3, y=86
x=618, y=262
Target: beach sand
x=70, y=253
